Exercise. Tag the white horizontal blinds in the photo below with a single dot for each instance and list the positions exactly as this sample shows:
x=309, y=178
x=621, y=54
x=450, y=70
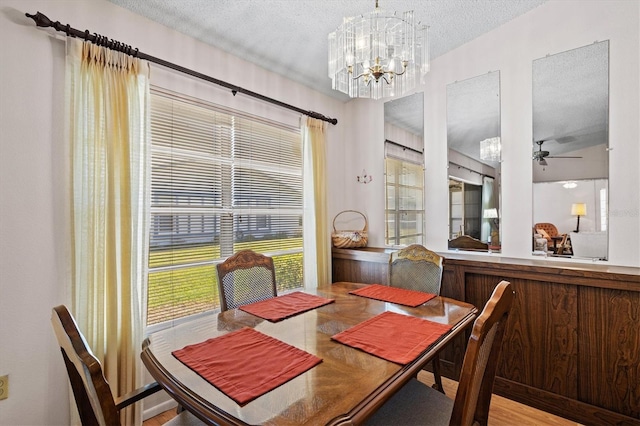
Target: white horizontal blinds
x=188, y=154
x=268, y=174
x=221, y=182
x=404, y=202
x=267, y=195
x=391, y=219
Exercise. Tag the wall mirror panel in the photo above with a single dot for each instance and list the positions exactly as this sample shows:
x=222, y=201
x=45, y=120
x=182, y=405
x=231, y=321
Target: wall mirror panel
x=570, y=153
x=404, y=170
x=474, y=154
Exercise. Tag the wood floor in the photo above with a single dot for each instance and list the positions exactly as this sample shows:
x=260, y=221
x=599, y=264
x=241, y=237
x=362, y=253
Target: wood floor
x=503, y=411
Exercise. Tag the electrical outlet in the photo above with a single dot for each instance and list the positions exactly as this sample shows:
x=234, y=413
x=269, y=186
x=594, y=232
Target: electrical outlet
x=4, y=387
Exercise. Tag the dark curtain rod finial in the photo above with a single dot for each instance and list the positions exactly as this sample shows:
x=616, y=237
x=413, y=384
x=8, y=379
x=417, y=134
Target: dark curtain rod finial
x=40, y=19
x=43, y=21
x=319, y=116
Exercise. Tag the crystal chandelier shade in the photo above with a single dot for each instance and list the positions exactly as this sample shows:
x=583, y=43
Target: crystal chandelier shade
x=378, y=55
x=490, y=149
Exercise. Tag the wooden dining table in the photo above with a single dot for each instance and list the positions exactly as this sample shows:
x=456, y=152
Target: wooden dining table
x=345, y=388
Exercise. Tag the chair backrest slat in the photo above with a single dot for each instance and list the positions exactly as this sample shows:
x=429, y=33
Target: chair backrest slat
x=481, y=359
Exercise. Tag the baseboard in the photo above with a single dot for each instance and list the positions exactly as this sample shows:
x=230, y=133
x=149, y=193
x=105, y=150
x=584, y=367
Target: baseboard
x=560, y=405
x=159, y=408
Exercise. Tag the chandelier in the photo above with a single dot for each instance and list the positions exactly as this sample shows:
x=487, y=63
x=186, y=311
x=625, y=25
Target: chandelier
x=490, y=149
x=378, y=55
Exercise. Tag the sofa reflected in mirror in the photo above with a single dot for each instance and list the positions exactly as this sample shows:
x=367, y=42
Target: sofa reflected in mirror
x=589, y=245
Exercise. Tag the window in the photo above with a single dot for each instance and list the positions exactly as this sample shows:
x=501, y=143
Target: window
x=221, y=181
x=603, y=209
x=404, y=183
x=465, y=209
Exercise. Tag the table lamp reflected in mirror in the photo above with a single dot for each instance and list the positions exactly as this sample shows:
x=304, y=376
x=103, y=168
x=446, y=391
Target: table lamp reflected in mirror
x=578, y=209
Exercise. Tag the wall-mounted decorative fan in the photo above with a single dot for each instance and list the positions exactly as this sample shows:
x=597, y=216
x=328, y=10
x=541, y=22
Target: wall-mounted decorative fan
x=541, y=156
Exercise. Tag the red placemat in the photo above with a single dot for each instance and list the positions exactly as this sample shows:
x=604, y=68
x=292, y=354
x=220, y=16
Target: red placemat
x=245, y=364
x=288, y=305
x=394, y=337
x=397, y=295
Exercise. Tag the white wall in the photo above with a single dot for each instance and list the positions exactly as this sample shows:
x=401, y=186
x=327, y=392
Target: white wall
x=362, y=148
x=553, y=27
x=33, y=186
x=402, y=136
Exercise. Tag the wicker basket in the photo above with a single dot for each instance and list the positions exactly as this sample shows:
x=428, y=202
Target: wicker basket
x=349, y=238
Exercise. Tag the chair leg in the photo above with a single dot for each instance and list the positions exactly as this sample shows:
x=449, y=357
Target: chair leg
x=436, y=374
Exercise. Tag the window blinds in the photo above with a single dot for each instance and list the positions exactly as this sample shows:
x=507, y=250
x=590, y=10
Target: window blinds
x=404, y=213
x=221, y=181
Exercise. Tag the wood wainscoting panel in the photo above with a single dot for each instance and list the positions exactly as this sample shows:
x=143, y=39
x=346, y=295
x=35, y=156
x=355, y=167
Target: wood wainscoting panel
x=359, y=272
x=540, y=346
x=610, y=349
x=367, y=265
x=452, y=282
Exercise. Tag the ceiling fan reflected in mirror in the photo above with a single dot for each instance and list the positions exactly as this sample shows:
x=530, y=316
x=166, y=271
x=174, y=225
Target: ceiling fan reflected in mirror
x=540, y=156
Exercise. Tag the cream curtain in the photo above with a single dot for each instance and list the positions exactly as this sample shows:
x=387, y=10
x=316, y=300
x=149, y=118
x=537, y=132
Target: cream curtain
x=317, y=236
x=107, y=100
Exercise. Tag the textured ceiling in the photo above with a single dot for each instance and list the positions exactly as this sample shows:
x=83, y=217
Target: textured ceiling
x=406, y=113
x=571, y=99
x=289, y=37
x=473, y=114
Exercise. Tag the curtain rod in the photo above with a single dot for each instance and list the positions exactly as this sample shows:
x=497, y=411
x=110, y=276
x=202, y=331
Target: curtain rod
x=403, y=146
x=471, y=170
x=43, y=21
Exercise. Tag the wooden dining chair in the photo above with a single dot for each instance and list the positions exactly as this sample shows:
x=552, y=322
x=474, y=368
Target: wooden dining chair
x=94, y=400
x=417, y=268
x=246, y=277
x=418, y=404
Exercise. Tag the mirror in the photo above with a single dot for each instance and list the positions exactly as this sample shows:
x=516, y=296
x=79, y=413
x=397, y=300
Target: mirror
x=404, y=170
x=570, y=153
x=474, y=151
